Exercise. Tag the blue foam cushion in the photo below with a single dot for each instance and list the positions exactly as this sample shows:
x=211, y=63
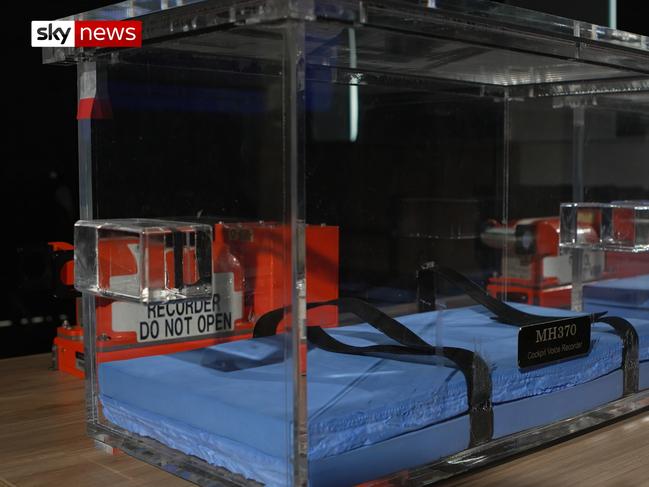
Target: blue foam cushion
x=353, y=401
x=371, y=461
x=628, y=291
x=627, y=297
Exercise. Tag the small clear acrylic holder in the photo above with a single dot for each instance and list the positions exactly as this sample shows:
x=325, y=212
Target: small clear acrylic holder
x=620, y=226
x=147, y=261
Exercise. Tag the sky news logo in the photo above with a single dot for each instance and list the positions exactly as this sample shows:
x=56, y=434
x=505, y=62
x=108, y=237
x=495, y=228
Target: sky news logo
x=86, y=33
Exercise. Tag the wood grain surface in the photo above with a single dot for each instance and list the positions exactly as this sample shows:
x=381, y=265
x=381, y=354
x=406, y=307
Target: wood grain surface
x=43, y=443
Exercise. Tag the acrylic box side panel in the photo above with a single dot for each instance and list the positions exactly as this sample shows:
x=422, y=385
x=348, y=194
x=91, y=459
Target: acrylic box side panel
x=410, y=171
x=198, y=132
x=541, y=172
x=568, y=149
x=572, y=156
x=428, y=178
x=615, y=189
x=582, y=159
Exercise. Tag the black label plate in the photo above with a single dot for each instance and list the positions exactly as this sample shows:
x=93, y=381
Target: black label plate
x=552, y=341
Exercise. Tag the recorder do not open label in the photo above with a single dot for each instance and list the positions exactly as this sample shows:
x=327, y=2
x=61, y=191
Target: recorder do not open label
x=249, y=277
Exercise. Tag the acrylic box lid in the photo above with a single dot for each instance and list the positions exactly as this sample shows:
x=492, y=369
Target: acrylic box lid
x=525, y=47
x=484, y=11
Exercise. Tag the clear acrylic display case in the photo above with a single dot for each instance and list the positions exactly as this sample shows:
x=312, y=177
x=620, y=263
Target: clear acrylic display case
x=279, y=199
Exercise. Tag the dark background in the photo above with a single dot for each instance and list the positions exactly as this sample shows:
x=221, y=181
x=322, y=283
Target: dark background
x=38, y=177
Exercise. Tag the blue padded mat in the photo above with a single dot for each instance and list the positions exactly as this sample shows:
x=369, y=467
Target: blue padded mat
x=627, y=297
x=371, y=461
x=354, y=402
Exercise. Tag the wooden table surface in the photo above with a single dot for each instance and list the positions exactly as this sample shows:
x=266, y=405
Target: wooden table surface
x=43, y=443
